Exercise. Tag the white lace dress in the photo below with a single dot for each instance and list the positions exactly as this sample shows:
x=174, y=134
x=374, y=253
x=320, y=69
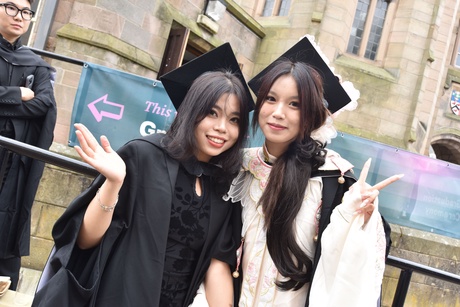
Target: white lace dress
x=351, y=267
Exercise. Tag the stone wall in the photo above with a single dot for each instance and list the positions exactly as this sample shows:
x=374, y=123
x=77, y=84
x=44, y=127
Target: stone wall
x=133, y=39
x=57, y=189
x=431, y=250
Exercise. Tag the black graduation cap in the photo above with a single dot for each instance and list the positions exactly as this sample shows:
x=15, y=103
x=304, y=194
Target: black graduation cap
x=178, y=81
x=304, y=51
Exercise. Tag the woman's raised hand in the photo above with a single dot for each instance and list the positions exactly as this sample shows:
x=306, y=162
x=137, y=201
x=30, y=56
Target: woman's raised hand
x=102, y=157
x=370, y=193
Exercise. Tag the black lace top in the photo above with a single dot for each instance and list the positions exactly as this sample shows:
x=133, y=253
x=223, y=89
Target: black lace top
x=187, y=233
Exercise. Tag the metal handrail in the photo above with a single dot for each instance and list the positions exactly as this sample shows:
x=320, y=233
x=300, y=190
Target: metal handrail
x=56, y=56
x=422, y=269
x=407, y=268
x=47, y=156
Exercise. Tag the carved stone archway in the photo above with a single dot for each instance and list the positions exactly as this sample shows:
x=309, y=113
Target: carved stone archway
x=447, y=147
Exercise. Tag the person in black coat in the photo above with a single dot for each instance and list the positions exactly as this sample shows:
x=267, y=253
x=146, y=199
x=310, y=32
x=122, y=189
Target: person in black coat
x=153, y=226
x=27, y=114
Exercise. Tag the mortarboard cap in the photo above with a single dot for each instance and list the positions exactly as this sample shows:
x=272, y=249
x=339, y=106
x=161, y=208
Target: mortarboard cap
x=178, y=81
x=304, y=51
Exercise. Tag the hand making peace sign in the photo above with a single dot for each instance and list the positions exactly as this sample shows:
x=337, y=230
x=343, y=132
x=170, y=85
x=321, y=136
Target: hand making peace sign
x=370, y=193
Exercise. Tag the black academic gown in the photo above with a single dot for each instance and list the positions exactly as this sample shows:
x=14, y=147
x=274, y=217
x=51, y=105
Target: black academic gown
x=33, y=123
x=126, y=268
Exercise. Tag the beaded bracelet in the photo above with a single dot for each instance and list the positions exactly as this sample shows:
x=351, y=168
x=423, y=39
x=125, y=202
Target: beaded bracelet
x=104, y=207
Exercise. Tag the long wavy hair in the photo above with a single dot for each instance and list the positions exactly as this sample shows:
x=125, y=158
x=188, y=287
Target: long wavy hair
x=287, y=183
x=205, y=91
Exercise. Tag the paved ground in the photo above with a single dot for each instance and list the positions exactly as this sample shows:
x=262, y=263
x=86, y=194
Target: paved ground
x=30, y=281
x=25, y=291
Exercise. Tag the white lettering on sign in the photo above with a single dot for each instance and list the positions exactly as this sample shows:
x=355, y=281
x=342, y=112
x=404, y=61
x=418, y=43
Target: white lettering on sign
x=149, y=127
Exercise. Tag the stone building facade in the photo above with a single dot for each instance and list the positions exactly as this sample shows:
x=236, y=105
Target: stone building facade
x=406, y=88
x=406, y=74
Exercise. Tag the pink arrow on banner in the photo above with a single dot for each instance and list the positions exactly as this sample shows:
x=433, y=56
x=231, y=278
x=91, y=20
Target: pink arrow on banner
x=98, y=115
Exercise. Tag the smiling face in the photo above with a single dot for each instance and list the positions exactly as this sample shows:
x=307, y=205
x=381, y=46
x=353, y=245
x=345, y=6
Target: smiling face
x=219, y=130
x=279, y=116
x=11, y=28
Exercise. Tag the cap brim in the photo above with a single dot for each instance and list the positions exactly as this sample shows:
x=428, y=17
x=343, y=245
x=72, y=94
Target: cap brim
x=304, y=51
x=178, y=81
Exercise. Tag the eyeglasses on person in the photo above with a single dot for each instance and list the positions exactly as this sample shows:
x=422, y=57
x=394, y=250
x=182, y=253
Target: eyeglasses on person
x=12, y=10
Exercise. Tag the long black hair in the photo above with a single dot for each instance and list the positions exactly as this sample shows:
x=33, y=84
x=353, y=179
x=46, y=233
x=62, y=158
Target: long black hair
x=285, y=191
x=203, y=94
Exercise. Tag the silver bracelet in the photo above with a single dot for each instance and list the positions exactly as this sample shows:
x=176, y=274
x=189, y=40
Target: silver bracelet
x=104, y=207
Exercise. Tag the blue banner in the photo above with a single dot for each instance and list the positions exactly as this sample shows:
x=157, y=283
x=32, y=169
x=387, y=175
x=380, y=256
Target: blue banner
x=426, y=198
x=120, y=105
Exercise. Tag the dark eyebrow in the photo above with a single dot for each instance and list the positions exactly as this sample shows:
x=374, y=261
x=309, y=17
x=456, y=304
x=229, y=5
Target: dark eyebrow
x=220, y=109
x=22, y=8
x=273, y=93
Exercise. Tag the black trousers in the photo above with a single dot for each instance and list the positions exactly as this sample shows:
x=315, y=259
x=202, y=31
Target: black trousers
x=11, y=267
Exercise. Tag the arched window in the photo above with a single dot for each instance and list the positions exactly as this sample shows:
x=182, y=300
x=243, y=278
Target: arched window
x=368, y=27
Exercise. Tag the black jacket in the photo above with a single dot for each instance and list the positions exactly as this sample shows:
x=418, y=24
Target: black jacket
x=126, y=268
x=31, y=122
